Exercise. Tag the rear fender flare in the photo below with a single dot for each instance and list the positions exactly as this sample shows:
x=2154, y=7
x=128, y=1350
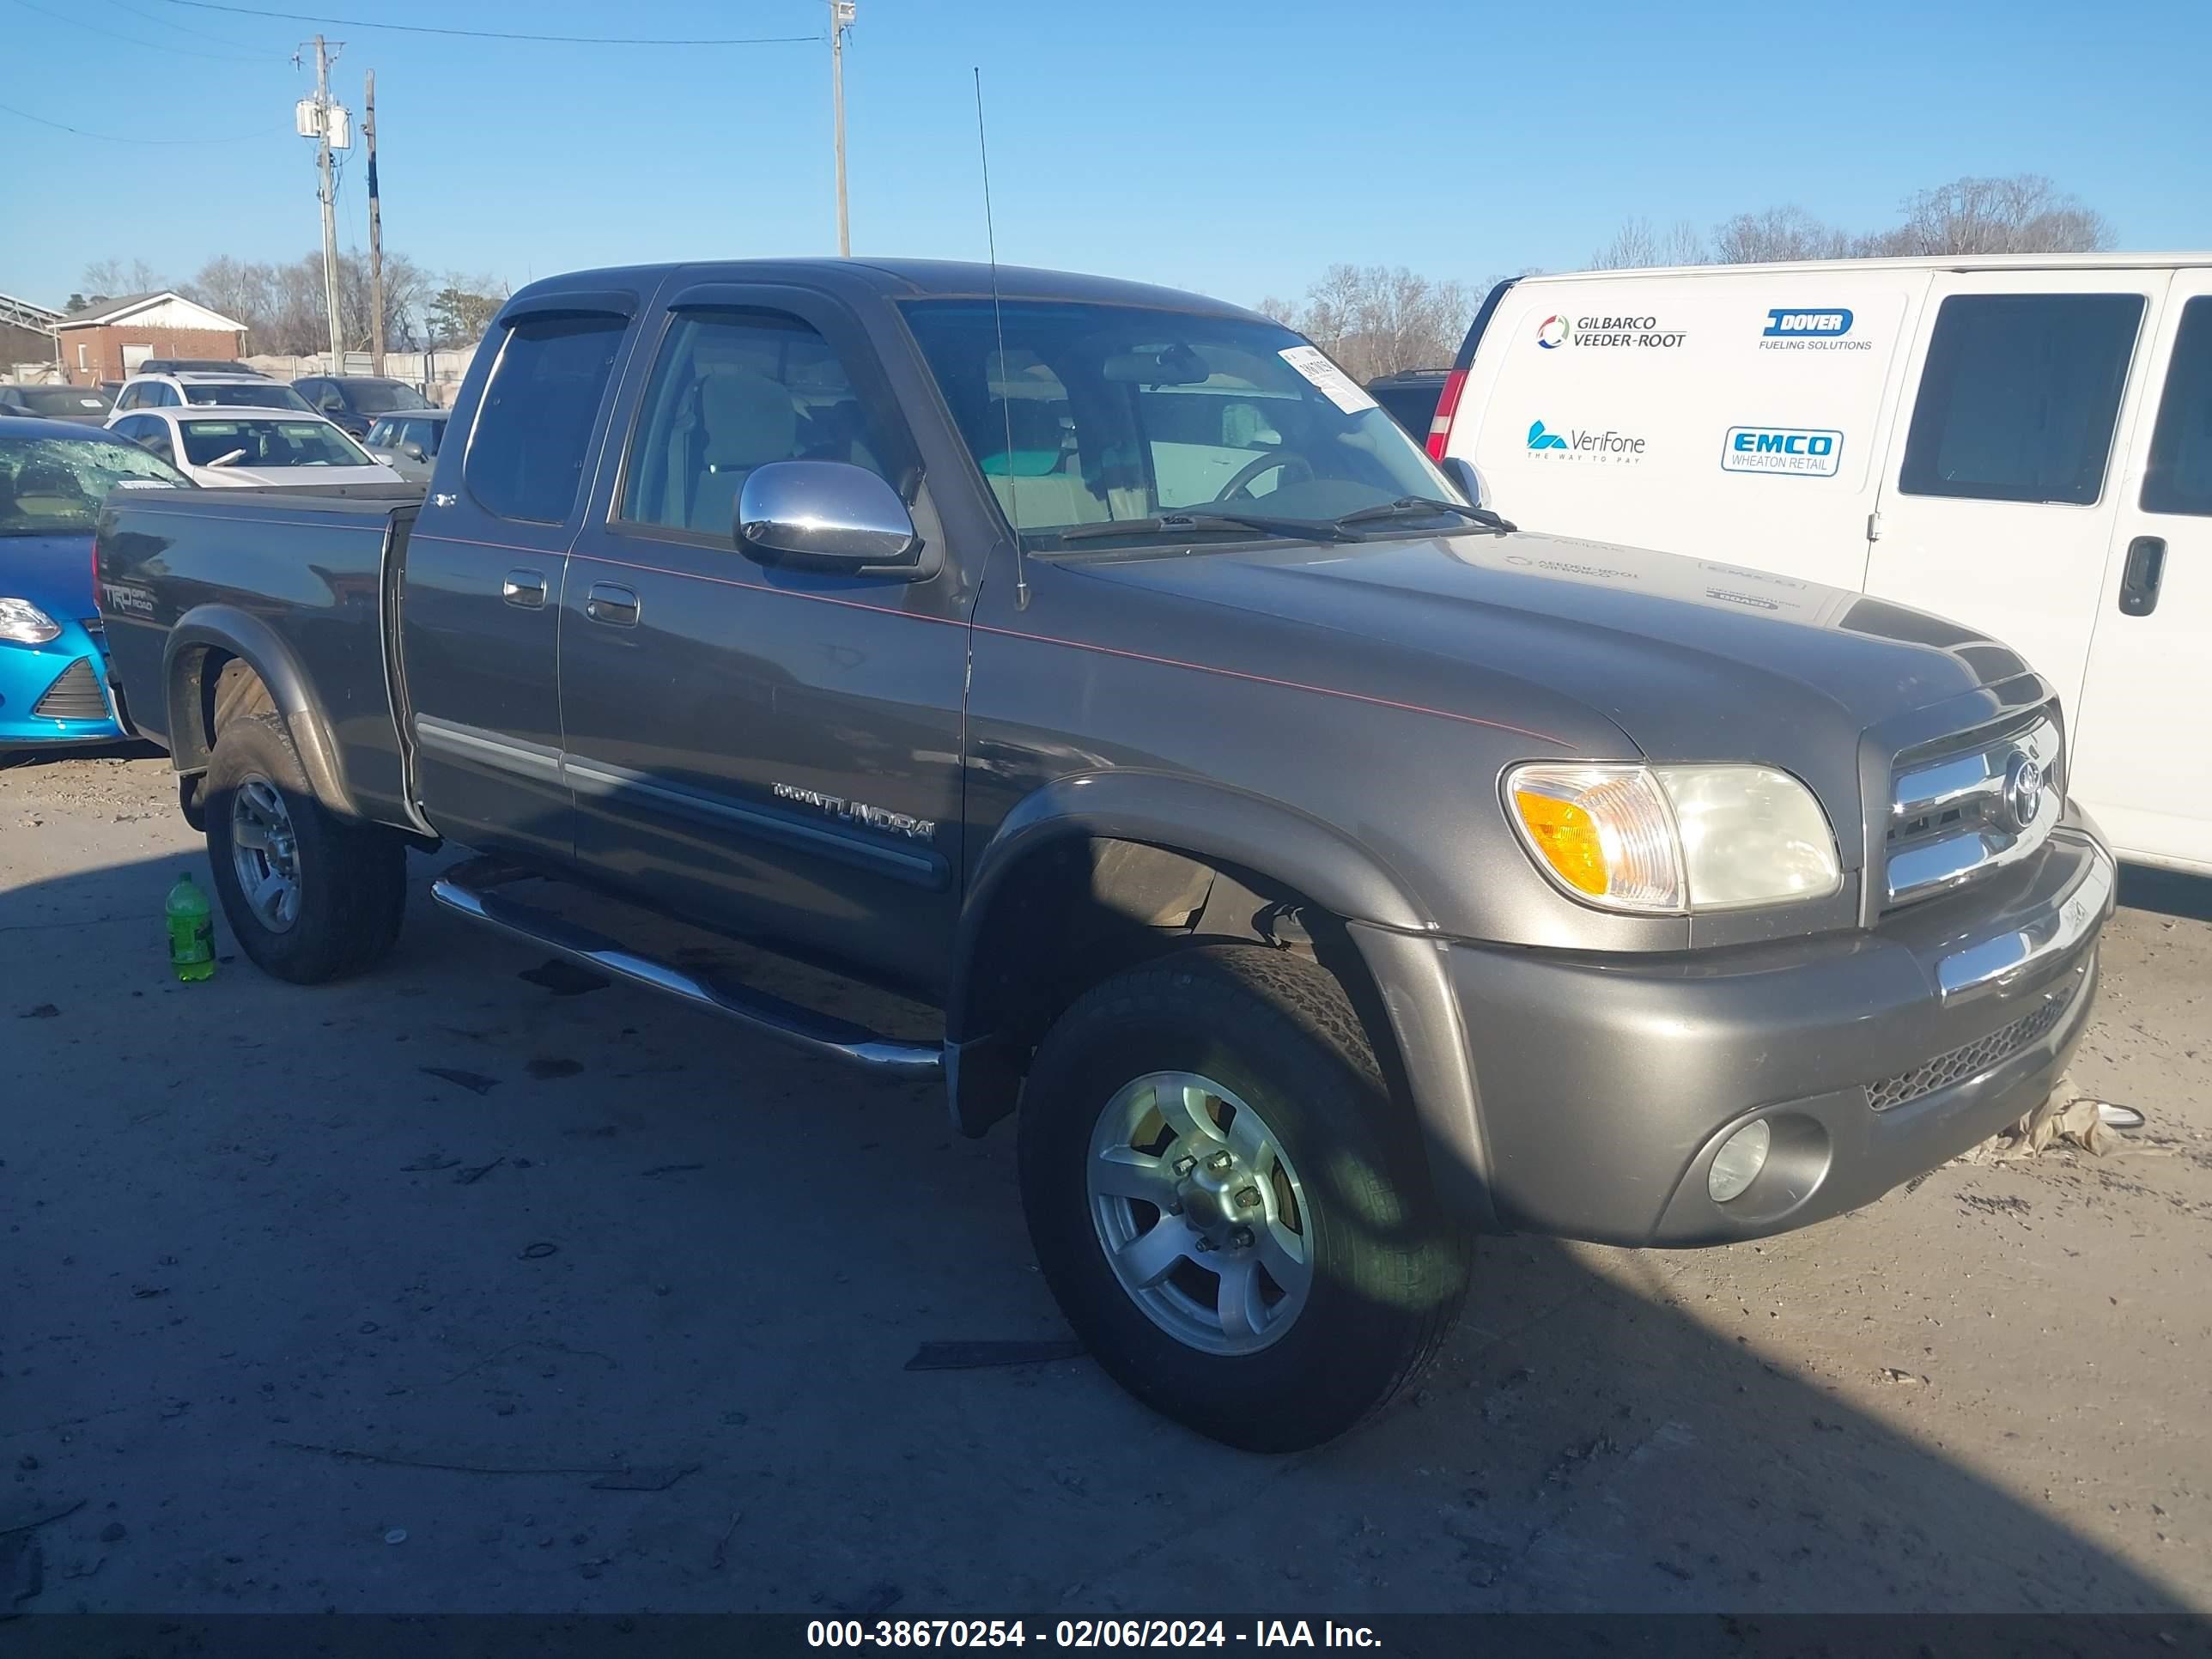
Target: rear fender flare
x=241, y=635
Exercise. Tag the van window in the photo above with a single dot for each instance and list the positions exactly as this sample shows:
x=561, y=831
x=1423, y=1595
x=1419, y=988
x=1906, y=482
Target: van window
x=2179, y=476
x=2019, y=396
x=735, y=391
x=533, y=429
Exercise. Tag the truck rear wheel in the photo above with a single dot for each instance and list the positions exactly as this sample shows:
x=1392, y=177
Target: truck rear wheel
x=308, y=896
x=1234, y=1213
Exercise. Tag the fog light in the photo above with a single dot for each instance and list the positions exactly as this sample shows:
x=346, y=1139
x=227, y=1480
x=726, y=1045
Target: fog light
x=1739, y=1161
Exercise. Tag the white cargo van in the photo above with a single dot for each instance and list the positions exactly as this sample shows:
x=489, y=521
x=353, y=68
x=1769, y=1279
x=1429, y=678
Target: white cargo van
x=2022, y=444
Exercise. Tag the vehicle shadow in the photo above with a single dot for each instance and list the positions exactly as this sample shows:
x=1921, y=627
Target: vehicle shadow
x=2169, y=892
x=601, y=1305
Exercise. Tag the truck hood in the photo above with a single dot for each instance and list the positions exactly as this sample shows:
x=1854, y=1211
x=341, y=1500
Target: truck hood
x=54, y=573
x=1678, y=658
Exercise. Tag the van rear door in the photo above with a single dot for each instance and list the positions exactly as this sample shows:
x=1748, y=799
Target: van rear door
x=2145, y=720
x=2000, y=496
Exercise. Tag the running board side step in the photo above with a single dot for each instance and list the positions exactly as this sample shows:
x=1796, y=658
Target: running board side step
x=472, y=890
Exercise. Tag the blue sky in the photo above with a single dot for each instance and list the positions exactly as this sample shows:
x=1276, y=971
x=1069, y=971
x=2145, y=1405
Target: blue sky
x=1235, y=149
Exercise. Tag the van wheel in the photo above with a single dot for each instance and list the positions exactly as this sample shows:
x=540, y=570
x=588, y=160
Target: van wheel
x=308, y=896
x=1234, y=1213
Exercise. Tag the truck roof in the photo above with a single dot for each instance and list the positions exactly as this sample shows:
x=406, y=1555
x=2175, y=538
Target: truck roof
x=1932, y=262
x=893, y=279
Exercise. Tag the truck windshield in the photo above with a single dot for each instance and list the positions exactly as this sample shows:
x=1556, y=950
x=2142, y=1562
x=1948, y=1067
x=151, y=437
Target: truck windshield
x=244, y=394
x=382, y=396
x=54, y=486
x=267, y=443
x=1094, y=414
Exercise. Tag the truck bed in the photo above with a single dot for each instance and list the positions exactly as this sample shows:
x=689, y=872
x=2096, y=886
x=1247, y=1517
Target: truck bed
x=304, y=569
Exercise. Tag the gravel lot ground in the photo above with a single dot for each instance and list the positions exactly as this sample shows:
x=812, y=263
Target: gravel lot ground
x=440, y=1290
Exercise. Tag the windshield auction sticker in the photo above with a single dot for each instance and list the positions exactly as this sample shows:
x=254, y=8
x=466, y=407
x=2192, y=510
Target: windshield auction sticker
x=1333, y=382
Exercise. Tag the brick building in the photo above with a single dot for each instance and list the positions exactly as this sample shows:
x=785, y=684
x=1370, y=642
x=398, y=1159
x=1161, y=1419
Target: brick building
x=111, y=338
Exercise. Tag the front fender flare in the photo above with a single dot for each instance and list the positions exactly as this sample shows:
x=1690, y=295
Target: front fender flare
x=1394, y=931
x=239, y=634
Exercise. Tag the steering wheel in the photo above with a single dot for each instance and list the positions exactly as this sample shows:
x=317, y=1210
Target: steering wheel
x=1259, y=463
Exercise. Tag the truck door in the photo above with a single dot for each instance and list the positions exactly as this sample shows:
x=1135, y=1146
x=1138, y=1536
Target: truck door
x=1999, y=497
x=480, y=613
x=771, y=749
x=2146, y=711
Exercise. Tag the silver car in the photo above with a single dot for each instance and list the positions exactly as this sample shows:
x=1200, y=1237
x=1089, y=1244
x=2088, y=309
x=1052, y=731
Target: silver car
x=408, y=441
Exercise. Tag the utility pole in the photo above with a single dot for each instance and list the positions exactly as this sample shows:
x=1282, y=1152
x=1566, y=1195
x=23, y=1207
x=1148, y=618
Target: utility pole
x=375, y=234
x=330, y=193
x=841, y=19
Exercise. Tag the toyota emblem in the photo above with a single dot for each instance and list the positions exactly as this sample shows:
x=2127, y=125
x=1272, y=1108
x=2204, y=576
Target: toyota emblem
x=2023, y=790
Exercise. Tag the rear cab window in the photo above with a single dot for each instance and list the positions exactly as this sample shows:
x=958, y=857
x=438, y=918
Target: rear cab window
x=532, y=435
x=2019, y=396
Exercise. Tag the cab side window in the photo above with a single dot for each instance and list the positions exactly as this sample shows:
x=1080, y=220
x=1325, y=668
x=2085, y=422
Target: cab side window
x=132, y=397
x=533, y=430
x=733, y=391
x=2179, y=476
x=2019, y=395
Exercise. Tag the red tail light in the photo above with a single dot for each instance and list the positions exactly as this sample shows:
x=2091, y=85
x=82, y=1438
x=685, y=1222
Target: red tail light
x=1447, y=406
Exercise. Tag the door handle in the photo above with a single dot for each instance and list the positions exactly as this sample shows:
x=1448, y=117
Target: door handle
x=524, y=588
x=2140, y=577
x=607, y=603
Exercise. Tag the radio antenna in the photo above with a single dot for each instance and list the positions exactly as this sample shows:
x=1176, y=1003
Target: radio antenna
x=999, y=322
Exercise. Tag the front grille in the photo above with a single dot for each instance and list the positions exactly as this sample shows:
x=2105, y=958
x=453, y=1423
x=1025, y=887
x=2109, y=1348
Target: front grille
x=1955, y=812
x=75, y=696
x=1971, y=1059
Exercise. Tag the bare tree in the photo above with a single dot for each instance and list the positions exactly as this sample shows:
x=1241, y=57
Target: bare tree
x=1638, y=244
x=2024, y=214
x=283, y=308
x=111, y=279
x=1776, y=234
x=1378, y=319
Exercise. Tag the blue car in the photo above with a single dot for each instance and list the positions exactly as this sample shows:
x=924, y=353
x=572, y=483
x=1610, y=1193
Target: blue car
x=54, y=689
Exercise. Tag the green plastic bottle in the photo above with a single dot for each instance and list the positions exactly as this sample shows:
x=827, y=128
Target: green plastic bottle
x=192, y=930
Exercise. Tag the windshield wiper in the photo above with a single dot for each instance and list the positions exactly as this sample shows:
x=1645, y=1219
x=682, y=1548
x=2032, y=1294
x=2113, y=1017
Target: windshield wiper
x=1210, y=522
x=1427, y=506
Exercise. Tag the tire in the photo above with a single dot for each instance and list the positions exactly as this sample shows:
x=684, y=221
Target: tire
x=1385, y=1271
x=350, y=879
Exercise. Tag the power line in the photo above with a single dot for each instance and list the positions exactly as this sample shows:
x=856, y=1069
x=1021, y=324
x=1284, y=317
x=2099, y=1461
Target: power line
x=497, y=34
x=135, y=40
x=117, y=138
x=181, y=29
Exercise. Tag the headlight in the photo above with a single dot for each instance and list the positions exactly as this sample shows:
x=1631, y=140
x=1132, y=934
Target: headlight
x=25, y=624
x=1663, y=840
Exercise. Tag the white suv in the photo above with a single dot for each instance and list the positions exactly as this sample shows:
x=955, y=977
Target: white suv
x=233, y=390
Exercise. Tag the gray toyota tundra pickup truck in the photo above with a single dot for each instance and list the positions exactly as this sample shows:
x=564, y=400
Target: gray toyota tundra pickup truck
x=1326, y=873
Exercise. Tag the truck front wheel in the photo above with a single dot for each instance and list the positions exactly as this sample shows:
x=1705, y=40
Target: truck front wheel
x=1232, y=1210
x=309, y=897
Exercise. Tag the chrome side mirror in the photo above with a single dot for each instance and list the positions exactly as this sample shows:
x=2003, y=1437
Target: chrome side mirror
x=829, y=515
x=1465, y=478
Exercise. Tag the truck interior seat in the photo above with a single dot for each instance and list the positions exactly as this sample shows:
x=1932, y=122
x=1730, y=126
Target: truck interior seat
x=745, y=420
x=1033, y=480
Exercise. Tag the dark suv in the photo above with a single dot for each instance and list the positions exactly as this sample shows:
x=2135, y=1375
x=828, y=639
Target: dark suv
x=355, y=401
x=1410, y=399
